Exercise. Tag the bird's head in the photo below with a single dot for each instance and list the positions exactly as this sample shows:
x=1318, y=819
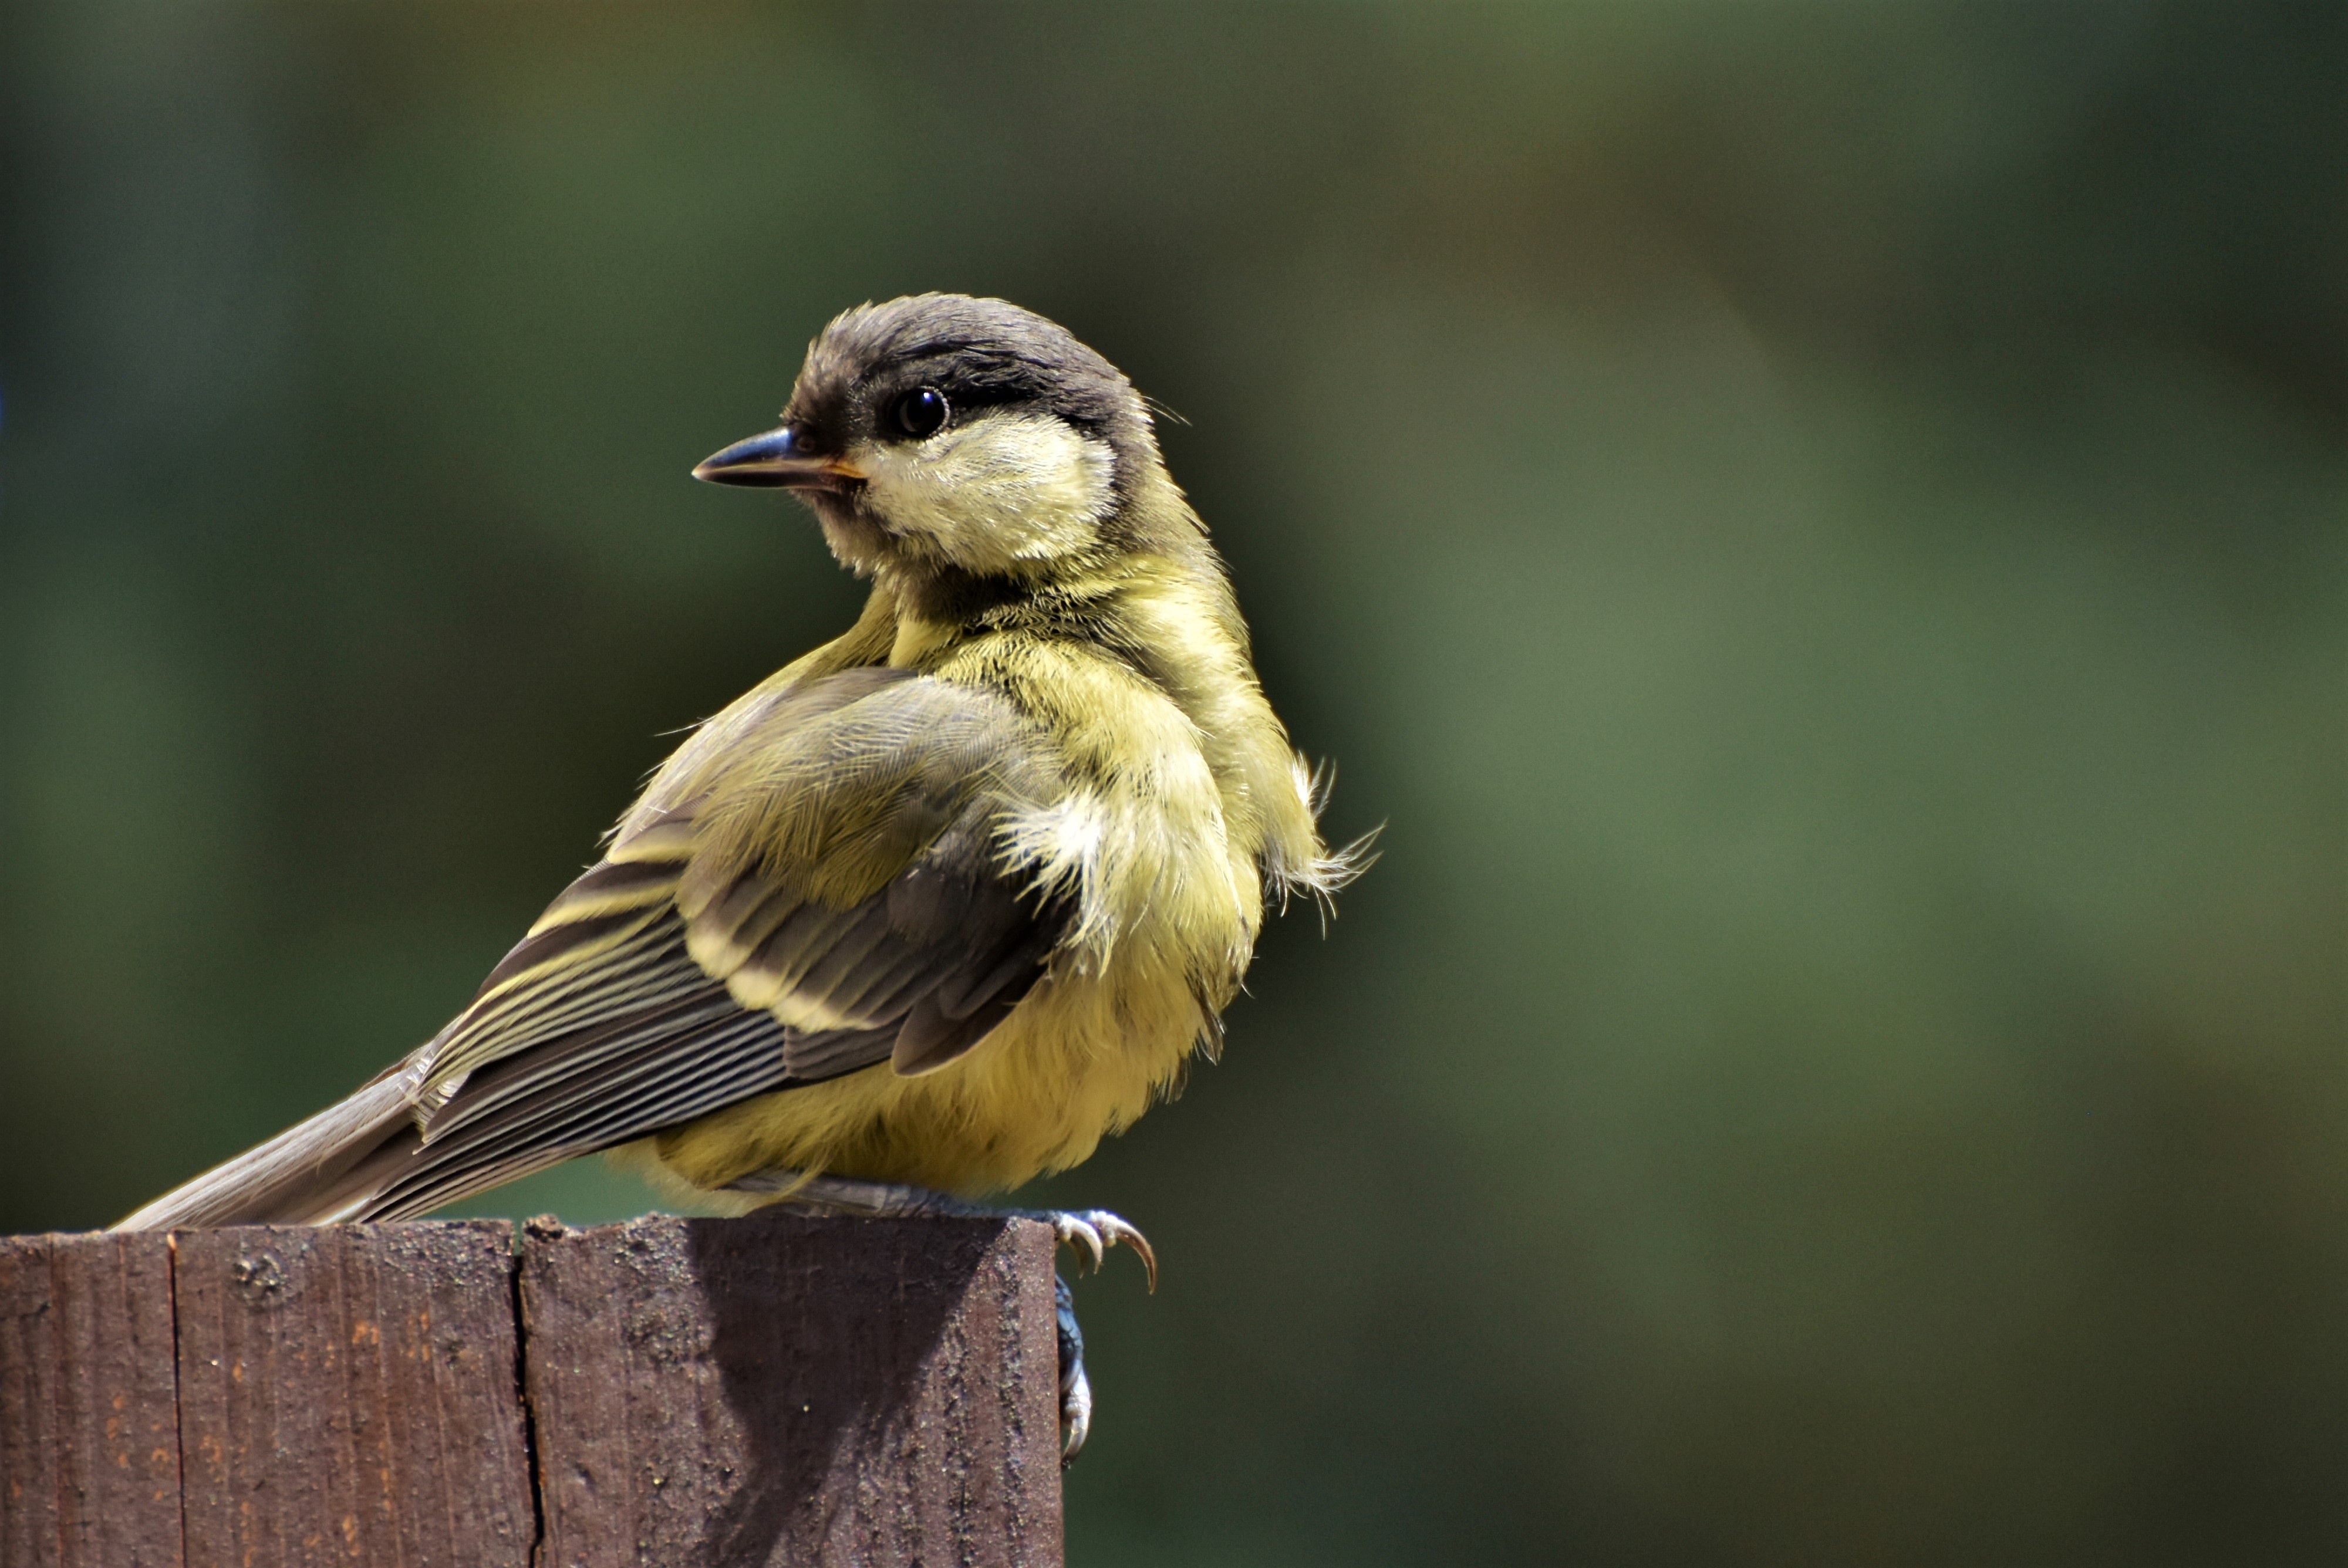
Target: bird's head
x=941, y=434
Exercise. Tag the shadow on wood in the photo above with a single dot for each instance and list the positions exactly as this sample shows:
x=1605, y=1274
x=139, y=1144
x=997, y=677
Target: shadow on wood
x=781, y=1388
x=777, y=1388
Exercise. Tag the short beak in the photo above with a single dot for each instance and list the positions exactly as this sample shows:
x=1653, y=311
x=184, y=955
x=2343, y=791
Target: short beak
x=777, y=460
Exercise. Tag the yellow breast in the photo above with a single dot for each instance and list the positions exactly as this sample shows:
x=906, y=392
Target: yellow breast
x=1168, y=909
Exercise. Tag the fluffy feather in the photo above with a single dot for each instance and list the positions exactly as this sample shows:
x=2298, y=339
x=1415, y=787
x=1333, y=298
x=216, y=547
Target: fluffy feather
x=944, y=902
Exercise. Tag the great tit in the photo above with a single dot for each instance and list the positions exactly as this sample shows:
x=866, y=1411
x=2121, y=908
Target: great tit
x=936, y=906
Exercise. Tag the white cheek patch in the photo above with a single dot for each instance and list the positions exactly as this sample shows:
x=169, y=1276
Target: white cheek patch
x=999, y=492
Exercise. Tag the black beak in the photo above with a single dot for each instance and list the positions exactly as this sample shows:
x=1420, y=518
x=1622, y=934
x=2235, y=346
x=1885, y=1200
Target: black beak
x=777, y=460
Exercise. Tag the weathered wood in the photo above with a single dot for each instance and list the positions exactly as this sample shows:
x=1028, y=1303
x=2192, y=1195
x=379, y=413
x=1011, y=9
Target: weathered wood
x=89, y=1447
x=785, y=1389
x=737, y=1392
x=350, y=1394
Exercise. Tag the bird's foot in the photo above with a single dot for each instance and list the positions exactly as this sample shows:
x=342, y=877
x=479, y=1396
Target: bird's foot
x=1075, y=1389
x=1090, y=1233
x=1087, y=1233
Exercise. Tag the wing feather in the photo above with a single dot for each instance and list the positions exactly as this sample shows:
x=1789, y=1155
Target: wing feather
x=813, y=885
x=693, y=968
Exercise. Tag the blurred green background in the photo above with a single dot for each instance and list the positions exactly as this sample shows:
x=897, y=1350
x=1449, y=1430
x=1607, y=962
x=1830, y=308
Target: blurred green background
x=1819, y=527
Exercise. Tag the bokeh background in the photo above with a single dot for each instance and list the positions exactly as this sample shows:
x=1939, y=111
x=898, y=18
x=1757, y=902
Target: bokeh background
x=1818, y=528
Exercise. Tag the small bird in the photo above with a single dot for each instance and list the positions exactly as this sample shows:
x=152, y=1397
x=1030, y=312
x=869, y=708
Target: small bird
x=934, y=908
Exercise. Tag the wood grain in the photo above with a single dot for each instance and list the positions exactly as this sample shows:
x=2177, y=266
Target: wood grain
x=348, y=1394
x=789, y=1390
x=89, y=1448
x=738, y=1392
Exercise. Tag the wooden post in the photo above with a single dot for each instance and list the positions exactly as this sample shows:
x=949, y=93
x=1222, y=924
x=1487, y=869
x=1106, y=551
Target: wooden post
x=348, y=1392
x=675, y=1392
x=89, y=1438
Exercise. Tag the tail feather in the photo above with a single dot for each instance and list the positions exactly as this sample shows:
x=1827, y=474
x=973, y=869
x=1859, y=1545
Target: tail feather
x=318, y=1172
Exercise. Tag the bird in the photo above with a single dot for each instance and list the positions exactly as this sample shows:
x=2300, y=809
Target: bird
x=935, y=907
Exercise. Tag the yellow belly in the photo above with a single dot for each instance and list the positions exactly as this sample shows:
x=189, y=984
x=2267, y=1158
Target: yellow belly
x=1081, y=1058
x=1169, y=902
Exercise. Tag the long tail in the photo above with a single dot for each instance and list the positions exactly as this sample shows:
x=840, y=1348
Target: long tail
x=327, y=1169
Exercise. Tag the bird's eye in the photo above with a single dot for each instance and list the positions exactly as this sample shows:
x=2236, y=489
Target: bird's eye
x=922, y=413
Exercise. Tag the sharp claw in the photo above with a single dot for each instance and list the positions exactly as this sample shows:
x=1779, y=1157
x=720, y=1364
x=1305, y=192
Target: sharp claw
x=1092, y=1232
x=1076, y=1416
x=1116, y=1230
x=1076, y=1232
x=1075, y=1389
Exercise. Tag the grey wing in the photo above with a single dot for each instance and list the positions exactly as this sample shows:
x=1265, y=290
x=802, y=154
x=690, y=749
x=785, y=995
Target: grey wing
x=682, y=975
x=639, y=1036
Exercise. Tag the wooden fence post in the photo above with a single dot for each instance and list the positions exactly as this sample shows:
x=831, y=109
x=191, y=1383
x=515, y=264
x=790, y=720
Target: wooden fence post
x=773, y=1389
x=89, y=1439
x=348, y=1392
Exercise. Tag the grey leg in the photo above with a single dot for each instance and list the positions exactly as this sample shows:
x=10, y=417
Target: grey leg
x=1089, y=1232
x=1075, y=1389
